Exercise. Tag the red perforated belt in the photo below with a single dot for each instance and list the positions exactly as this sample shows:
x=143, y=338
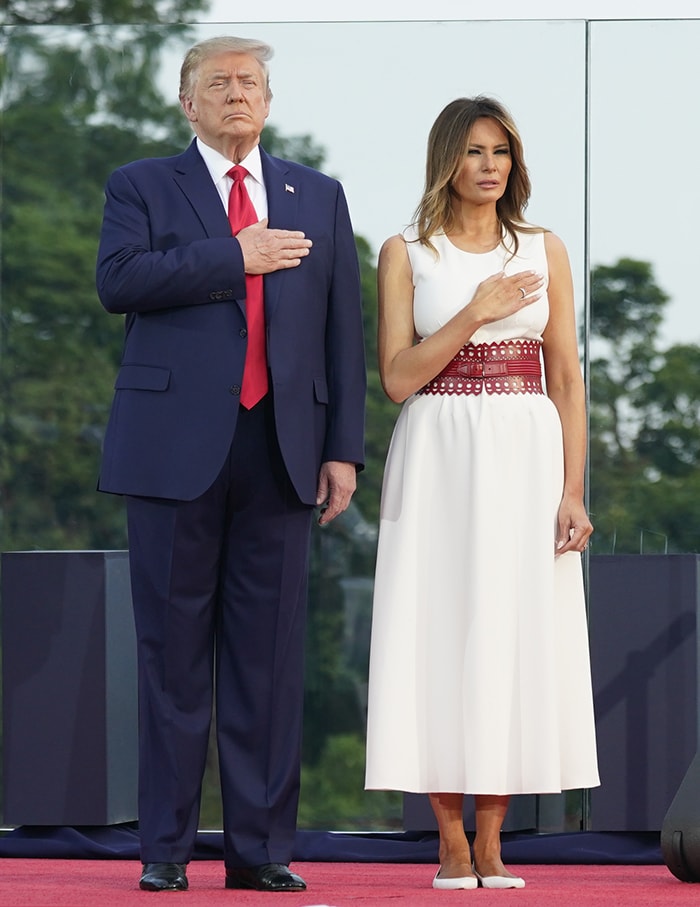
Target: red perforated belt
x=509, y=367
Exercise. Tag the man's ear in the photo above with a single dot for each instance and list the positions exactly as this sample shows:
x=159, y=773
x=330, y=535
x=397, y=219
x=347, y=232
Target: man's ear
x=189, y=108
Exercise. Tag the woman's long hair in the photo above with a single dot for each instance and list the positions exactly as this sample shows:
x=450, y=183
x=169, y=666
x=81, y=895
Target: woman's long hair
x=447, y=144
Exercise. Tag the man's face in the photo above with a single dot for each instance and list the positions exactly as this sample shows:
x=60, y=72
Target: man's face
x=228, y=105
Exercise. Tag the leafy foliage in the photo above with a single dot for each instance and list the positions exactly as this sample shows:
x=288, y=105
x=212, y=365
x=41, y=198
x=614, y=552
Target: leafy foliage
x=644, y=419
x=95, y=12
x=66, y=125
x=335, y=782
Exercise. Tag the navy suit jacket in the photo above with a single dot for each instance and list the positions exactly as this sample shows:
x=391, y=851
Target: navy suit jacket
x=167, y=261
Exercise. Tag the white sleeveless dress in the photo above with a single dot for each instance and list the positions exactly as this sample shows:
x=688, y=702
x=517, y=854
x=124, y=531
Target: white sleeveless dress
x=479, y=667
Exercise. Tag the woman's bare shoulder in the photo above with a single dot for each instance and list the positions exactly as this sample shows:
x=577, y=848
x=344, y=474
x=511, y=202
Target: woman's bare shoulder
x=393, y=244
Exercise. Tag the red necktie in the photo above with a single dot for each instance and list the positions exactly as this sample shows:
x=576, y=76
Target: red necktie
x=241, y=213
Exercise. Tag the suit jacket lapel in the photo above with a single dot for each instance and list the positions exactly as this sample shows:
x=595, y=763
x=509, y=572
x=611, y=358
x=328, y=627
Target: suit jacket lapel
x=193, y=178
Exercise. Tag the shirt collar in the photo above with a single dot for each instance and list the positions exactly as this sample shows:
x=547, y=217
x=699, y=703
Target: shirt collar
x=219, y=166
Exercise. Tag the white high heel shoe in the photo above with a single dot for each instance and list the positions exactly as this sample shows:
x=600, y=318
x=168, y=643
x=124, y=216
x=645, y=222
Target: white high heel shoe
x=499, y=881
x=455, y=884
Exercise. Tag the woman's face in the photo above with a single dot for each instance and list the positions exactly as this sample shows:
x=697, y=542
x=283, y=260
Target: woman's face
x=483, y=174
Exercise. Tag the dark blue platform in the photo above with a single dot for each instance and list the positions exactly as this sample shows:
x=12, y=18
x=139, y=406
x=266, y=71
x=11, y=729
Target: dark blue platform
x=121, y=842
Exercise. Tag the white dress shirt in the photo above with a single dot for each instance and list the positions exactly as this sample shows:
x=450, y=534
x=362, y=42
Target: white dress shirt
x=218, y=167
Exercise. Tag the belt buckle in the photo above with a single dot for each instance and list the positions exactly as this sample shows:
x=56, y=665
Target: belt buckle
x=492, y=369
x=471, y=369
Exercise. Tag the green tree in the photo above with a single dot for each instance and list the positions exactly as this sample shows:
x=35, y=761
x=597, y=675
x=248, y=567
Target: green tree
x=644, y=425
x=330, y=788
x=381, y=412
x=75, y=105
x=97, y=12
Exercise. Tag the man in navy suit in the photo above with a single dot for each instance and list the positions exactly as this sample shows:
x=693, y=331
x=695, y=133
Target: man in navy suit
x=220, y=492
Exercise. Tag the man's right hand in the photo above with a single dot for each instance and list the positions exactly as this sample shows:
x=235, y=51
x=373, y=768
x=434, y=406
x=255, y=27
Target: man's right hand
x=266, y=250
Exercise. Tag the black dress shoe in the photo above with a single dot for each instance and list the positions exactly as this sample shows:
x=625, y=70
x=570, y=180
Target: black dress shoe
x=268, y=877
x=163, y=877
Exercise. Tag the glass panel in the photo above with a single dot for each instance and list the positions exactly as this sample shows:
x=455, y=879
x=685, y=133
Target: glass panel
x=645, y=328
x=356, y=99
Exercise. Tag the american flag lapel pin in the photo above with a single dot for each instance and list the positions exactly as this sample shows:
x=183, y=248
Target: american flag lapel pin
x=288, y=188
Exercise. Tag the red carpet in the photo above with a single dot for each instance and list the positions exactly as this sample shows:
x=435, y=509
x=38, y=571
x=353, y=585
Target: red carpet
x=113, y=883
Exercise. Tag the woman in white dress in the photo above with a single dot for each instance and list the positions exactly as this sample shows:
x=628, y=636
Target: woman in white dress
x=479, y=668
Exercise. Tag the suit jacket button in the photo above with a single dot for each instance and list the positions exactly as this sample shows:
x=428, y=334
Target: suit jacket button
x=243, y=332
x=235, y=389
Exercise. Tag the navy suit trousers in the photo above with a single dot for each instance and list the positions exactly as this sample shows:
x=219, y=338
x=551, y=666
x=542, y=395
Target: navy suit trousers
x=219, y=588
